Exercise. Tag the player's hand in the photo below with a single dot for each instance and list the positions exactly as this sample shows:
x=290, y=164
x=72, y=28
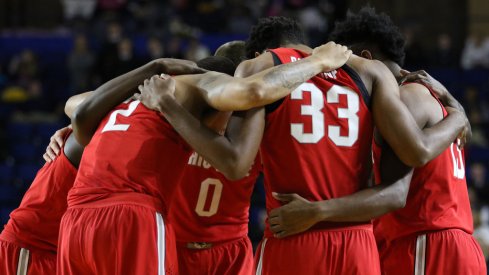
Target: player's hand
x=462, y=138
x=296, y=216
x=173, y=66
x=331, y=55
x=56, y=142
x=156, y=90
x=426, y=79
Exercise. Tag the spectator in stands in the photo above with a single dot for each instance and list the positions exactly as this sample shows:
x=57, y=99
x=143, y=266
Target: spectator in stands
x=444, y=55
x=478, y=182
x=24, y=67
x=155, y=49
x=125, y=60
x=107, y=56
x=80, y=64
x=78, y=9
x=481, y=229
x=476, y=52
x=478, y=114
x=174, y=47
x=196, y=50
x=415, y=54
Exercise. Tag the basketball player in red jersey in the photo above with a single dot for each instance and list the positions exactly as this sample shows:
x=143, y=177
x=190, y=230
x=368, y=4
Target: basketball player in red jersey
x=29, y=241
x=210, y=212
x=120, y=192
x=317, y=144
x=432, y=234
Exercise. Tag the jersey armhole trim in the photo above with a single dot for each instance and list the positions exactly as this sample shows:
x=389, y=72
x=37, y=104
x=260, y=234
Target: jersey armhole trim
x=273, y=106
x=358, y=81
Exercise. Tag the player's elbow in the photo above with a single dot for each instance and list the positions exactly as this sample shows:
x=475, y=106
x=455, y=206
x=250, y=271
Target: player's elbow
x=236, y=169
x=254, y=95
x=418, y=157
x=78, y=119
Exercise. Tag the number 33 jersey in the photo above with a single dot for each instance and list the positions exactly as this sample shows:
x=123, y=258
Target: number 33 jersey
x=317, y=141
x=133, y=150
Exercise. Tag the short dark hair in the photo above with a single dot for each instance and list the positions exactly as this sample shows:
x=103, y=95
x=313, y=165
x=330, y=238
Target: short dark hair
x=271, y=33
x=370, y=30
x=218, y=64
x=234, y=50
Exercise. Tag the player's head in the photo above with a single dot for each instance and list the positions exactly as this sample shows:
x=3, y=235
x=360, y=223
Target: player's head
x=234, y=50
x=273, y=32
x=218, y=64
x=371, y=35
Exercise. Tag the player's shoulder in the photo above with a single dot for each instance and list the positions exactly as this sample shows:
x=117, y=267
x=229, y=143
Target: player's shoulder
x=255, y=65
x=414, y=91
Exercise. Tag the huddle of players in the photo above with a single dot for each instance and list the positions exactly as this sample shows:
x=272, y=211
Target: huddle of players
x=132, y=190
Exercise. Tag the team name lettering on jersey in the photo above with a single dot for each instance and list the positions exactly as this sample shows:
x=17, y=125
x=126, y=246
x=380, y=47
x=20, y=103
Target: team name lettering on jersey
x=197, y=160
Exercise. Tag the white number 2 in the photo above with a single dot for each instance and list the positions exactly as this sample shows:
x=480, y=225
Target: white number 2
x=458, y=162
x=111, y=124
x=315, y=111
x=216, y=197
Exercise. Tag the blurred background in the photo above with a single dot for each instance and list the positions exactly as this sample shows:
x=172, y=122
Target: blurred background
x=52, y=49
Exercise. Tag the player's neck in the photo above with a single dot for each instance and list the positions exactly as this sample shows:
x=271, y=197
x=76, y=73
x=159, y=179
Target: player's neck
x=300, y=47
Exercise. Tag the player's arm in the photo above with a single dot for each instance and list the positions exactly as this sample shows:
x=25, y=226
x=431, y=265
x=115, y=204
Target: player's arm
x=232, y=154
x=397, y=126
x=96, y=105
x=225, y=93
x=441, y=91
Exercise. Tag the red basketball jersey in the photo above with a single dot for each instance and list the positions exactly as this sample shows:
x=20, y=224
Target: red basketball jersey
x=437, y=197
x=133, y=150
x=35, y=223
x=317, y=142
x=207, y=207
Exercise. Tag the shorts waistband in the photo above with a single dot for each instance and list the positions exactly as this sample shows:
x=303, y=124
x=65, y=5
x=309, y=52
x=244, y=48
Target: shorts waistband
x=206, y=245
x=103, y=200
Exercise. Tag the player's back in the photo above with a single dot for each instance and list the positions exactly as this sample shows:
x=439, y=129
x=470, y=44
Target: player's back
x=437, y=198
x=134, y=150
x=35, y=223
x=317, y=140
x=207, y=207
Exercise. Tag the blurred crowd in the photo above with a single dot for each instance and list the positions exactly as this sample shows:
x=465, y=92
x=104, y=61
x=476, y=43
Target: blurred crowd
x=110, y=37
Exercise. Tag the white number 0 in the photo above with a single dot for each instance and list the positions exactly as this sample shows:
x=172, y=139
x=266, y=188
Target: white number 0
x=216, y=197
x=112, y=126
x=315, y=110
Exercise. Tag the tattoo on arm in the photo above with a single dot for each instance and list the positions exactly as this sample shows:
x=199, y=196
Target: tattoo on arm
x=288, y=76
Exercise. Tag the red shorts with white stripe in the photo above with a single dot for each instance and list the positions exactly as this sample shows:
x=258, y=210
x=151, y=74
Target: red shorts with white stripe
x=342, y=251
x=226, y=258
x=122, y=238
x=15, y=260
x=451, y=251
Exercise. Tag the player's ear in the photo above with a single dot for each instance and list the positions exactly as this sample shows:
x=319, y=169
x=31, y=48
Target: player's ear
x=366, y=54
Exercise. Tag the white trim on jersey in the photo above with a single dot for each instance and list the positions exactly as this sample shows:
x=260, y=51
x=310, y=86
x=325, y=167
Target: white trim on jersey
x=161, y=242
x=259, y=267
x=23, y=262
x=420, y=258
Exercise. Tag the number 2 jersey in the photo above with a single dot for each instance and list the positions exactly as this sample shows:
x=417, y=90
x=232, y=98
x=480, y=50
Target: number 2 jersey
x=134, y=150
x=317, y=140
x=207, y=207
x=437, y=198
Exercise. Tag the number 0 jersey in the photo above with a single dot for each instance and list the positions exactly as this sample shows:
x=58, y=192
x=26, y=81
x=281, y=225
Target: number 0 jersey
x=134, y=150
x=207, y=207
x=437, y=198
x=317, y=142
